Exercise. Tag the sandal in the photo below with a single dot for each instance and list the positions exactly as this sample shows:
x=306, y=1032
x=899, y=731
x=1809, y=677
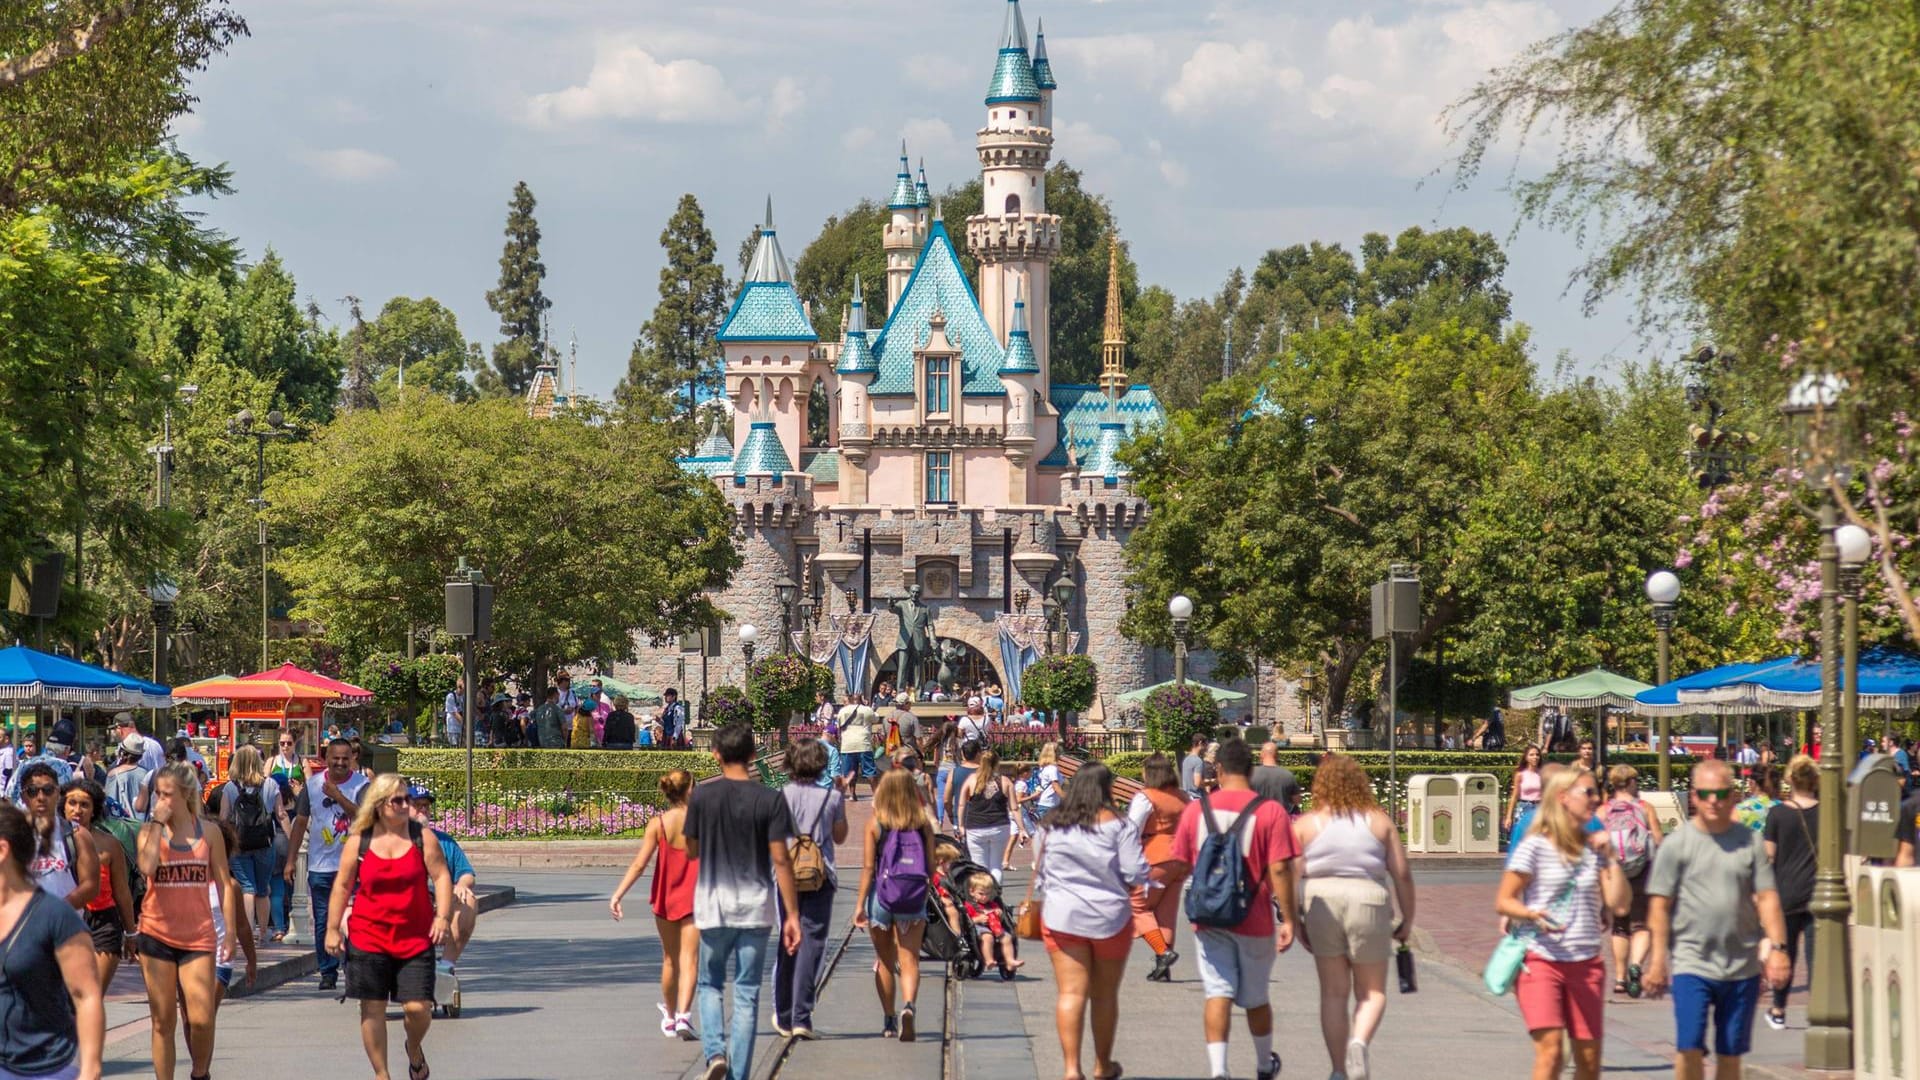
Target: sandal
x=1620, y=987
x=1114, y=1075
x=419, y=1072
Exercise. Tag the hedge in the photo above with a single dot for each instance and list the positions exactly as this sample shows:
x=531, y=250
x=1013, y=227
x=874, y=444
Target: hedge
x=698, y=762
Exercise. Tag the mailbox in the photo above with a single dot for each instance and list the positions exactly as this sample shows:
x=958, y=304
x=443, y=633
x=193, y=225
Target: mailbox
x=1874, y=794
x=1479, y=813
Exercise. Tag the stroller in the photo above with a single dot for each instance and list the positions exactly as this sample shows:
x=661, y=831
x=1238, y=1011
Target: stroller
x=951, y=938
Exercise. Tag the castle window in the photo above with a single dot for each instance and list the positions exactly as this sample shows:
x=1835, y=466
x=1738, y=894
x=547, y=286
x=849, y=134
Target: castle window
x=939, y=385
x=1013, y=204
x=939, y=476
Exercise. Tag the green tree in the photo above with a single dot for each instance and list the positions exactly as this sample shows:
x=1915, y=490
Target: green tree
x=89, y=86
x=589, y=531
x=273, y=337
x=422, y=339
x=519, y=301
x=676, y=352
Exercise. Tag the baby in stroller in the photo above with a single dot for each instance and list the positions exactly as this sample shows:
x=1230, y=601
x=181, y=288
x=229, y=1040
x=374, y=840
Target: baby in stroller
x=991, y=922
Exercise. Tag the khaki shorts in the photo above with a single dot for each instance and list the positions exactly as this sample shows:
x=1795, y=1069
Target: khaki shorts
x=1350, y=917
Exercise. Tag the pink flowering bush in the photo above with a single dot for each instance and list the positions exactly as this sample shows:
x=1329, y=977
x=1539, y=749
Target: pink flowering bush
x=544, y=817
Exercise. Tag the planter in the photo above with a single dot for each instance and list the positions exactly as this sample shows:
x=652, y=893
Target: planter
x=1349, y=739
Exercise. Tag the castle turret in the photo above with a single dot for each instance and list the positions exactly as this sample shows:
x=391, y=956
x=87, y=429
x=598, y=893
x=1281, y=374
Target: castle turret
x=1113, y=343
x=1013, y=236
x=906, y=229
x=1043, y=73
x=858, y=365
x=769, y=343
x=1020, y=372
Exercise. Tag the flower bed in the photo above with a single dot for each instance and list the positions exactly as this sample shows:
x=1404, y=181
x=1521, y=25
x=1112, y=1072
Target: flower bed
x=505, y=815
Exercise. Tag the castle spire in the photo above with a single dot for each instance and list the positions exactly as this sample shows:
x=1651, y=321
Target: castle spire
x=1013, y=78
x=1042, y=67
x=1013, y=33
x=768, y=264
x=1113, y=343
x=904, y=197
x=921, y=195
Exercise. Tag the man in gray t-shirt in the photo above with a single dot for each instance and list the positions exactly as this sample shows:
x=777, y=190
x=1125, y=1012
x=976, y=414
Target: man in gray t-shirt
x=1191, y=765
x=1275, y=781
x=1710, y=895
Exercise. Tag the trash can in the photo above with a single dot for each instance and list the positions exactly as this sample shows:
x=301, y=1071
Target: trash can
x=1669, y=807
x=1899, y=952
x=1479, y=813
x=1863, y=971
x=381, y=758
x=1433, y=814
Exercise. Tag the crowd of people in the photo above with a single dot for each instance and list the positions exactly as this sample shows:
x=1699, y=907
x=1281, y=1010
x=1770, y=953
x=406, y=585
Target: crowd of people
x=142, y=858
x=565, y=718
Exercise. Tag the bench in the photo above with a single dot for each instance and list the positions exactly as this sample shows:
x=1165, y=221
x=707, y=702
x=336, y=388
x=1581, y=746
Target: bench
x=1124, y=789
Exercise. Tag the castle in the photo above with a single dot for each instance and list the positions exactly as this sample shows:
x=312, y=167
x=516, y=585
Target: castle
x=951, y=460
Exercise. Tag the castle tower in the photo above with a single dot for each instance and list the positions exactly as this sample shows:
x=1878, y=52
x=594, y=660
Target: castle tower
x=769, y=341
x=1113, y=343
x=1020, y=373
x=856, y=369
x=1013, y=236
x=906, y=230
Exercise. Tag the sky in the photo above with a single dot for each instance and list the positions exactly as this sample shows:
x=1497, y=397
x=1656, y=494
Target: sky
x=375, y=143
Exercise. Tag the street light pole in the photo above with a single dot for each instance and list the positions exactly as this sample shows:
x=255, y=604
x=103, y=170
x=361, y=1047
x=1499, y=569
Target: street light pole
x=163, y=593
x=1663, y=589
x=1181, y=608
x=1854, y=546
x=785, y=590
x=276, y=428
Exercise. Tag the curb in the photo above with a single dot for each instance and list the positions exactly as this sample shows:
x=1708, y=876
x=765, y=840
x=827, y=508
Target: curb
x=552, y=855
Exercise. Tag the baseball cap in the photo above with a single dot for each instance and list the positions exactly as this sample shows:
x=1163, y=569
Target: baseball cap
x=419, y=794
x=123, y=719
x=585, y=705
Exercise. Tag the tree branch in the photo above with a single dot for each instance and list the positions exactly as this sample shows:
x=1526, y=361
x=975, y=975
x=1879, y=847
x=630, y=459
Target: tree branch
x=65, y=45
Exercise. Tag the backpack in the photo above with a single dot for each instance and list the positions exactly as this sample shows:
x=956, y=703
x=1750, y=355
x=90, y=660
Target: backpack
x=1626, y=822
x=251, y=820
x=127, y=832
x=1221, y=891
x=902, y=887
x=809, y=862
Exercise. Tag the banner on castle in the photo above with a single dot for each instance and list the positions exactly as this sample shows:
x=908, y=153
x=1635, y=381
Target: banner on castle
x=846, y=648
x=1020, y=639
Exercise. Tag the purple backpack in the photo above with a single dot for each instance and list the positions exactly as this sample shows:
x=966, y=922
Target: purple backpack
x=902, y=888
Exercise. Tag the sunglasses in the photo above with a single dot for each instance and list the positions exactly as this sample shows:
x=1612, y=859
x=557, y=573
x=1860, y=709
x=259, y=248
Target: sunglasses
x=399, y=800
x=1589, y=791
x=1723, y=794
x=35, y=791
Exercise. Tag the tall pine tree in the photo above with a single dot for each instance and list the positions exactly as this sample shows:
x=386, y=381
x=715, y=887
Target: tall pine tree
x=518, y=301
x=675, y=352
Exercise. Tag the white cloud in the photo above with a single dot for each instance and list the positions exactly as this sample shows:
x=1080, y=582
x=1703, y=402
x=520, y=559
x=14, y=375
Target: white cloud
x=928, y=137
x=627, y=83
x=786, y=99
x=1219, y=76
x=350, y=164
x=1079, y=141
x=938, y=71
x=858, y=138
x=1128, y=57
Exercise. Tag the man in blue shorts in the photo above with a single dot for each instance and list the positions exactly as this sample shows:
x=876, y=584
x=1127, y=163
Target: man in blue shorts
x=1710, y=895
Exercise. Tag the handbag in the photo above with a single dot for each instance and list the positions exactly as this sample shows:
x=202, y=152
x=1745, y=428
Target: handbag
x=1026, y=922
x=1503, y=967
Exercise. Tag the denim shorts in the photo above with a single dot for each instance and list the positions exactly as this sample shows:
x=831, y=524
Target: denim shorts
x=254, y=870
x=885, y=920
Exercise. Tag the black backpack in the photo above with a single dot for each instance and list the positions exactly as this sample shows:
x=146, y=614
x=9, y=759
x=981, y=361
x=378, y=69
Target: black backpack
x=251, y=819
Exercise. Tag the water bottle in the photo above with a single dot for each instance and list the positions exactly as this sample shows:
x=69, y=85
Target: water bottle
x=1403, y=961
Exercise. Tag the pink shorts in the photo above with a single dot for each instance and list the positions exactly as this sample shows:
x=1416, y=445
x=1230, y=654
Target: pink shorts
x=1106, y=948
x=1570, y=995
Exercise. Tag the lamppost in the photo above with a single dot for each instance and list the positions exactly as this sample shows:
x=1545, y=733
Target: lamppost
x=1829, y=1041
x=1181, y=608
x=1854, y=545
x=276, y=428
x=1049, y=615
x=163, y=593
x=1663, y=589
x=786, y=590
x=748, y=635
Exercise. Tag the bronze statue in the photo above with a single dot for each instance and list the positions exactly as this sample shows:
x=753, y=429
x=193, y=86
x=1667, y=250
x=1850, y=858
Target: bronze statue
x=915, y=642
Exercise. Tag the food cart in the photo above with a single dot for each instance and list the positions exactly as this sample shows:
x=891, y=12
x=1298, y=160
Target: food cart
x=255, y=703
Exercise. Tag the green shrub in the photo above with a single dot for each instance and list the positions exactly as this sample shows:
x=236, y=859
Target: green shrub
x=699, y=762
x=1176, y=713
x=1059, y=684
x=783, y=684
x=726, y=704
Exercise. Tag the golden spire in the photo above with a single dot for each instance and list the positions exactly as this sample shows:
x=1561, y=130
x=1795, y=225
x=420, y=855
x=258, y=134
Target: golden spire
x=1113, y=346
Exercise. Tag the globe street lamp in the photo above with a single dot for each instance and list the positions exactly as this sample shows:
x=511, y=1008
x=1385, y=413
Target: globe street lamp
x=1663, y=589
x=786, y=590
x=1854, y=546
x=1181, y=608
x=1063, y=592
x=748, y=635
x=276, y=428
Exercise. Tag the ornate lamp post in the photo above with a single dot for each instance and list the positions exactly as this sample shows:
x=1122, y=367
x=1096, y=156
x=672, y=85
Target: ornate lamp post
x=786, y=590
x=1829, y=1043
x=163, y=593
x=1063, y=592
x=1181, y=608
x=748, y=635
x=1854, y=546
x=1663, y=589
x=276, y=428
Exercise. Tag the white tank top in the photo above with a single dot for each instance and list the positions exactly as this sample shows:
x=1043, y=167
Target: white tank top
x=1345, y=847
x=50, y=869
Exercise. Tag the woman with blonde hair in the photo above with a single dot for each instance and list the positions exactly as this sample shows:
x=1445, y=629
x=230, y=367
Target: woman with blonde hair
x=385, y=869
x=1558, y=880
x=891, y=905
x=175, y=936
x=1354, y=867
x=252, y=805
x=1791, y=833
x=672, y=902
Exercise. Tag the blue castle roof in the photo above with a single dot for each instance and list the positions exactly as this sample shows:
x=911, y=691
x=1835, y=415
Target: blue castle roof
x=1020, y=359
x=856, y=355
x=1084, y=408
x=713, y=457
x=1013, y=78
x=904, y=196
x=1042, y=67
x=921, y=196
x=761, y=454
x=937, y=283
x=767, y=308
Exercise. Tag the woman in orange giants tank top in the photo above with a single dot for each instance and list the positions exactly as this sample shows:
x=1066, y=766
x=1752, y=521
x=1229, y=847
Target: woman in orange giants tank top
x=672, y=898
x=385, y=867
x=1155, y=811
x=110, y=912
x=174, y=936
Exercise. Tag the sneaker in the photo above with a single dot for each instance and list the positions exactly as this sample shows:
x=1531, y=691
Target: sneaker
x=683, y=1027
x=781, y=1029
x=666, y=1019
x=1633, y=980
x=804, y=1033
x=716, y=1068
x=1359, y=1064
x=329, y=980
x=906, y=1024
x=1273, y=1067
x=1776, y=1021
x=889, y=1029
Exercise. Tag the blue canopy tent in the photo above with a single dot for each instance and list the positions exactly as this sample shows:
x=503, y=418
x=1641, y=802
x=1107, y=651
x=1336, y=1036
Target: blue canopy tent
x=1681, y=696
x=29, y=677
x=1889, y=681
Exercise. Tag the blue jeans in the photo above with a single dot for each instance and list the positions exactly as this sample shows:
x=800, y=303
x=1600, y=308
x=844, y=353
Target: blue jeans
x=281, y=891
x=320, y=887
x=252, y=870
x=940, y=776
x=747, y=945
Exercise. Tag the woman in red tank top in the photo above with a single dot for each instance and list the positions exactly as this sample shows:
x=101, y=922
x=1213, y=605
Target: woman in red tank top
x=110, y=912
x=385, y=870
x=672, y=899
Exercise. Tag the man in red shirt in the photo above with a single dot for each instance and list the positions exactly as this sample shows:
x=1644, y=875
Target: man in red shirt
x=1236, y=964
